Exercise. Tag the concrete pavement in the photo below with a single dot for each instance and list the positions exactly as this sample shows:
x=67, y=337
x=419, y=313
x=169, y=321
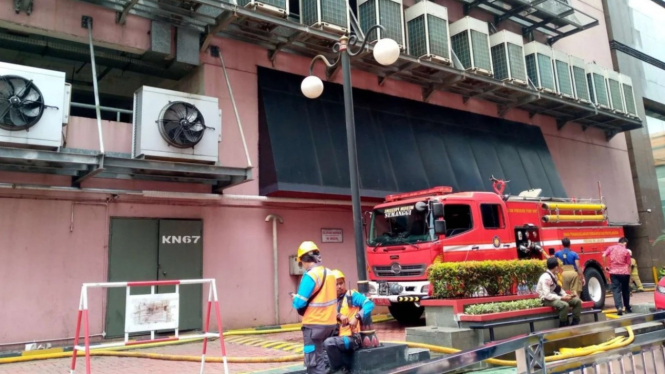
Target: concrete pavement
x=268, y=345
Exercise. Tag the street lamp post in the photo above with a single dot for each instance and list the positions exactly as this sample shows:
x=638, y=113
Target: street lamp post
x=386, y=52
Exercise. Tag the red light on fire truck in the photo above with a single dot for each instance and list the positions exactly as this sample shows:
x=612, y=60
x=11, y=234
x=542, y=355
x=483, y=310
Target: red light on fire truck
x=435, y=191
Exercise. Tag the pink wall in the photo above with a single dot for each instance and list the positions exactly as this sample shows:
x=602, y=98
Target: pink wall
x=43, y=263
x=62, y=19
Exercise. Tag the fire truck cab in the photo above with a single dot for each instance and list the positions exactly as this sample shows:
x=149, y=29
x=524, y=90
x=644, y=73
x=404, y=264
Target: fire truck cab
x=410, y=231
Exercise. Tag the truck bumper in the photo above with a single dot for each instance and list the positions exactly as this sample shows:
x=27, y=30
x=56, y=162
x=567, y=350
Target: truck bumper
x=387, y=293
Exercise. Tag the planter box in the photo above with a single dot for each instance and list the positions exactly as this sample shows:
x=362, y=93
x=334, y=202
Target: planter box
x=444, y=312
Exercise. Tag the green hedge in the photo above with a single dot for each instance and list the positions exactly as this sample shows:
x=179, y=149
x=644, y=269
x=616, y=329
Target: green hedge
x=464, y=279
x=503, y=307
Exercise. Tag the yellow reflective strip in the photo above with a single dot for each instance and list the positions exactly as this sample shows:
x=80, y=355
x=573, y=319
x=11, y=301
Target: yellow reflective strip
x=281, y=345
x=271, y=344
x=244, y=339
x=258, y=342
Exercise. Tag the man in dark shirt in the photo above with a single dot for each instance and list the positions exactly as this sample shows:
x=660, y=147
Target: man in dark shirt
x=573, y=279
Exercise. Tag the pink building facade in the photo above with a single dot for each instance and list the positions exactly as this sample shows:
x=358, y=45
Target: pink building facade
x=54, y=239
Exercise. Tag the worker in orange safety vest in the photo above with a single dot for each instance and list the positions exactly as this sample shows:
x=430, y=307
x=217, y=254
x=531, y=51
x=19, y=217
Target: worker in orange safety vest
x=353, y=311
x=316, y=302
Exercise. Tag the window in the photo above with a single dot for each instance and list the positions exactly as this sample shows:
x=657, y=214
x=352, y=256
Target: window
x=458, y=219
x=492, y=216
x=400, y=225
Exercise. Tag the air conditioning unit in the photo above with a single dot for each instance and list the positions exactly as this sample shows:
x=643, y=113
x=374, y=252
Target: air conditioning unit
x=328, y=15
x=428, y=34
x=597, y=87
x=277, y=8
x=176, y=126
x=508, y=57
x=470, y=41
x=561, y=66
x=628, y=95
x=580, y=85
x=34, y=105
x=614, y=88
x=538, y=58
x=387, y=13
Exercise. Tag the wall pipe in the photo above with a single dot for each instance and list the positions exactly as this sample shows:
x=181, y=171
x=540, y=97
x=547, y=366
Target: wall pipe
x=233, y=101
x=87, y=23
x=275, y=219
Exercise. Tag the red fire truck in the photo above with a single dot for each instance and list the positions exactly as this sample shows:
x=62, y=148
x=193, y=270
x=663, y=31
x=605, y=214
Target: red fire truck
x=409, y=231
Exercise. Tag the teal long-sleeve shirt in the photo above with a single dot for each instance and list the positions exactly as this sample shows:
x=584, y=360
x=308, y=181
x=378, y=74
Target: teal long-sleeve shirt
x=305, y=291
x=360, y=301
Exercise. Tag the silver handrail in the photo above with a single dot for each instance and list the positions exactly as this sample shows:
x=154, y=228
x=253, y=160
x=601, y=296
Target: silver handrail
x=533, y=343
x=103, y=109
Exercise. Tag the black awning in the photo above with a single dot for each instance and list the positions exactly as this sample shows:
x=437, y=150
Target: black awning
x=403, y=145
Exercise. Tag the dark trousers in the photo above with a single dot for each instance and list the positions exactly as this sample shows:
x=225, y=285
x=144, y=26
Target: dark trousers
x=621, y=289
x=313, y=338
x=340, y=348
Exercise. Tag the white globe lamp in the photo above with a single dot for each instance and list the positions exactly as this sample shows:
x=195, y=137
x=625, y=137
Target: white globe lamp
x=386, y=51
x=311, y=87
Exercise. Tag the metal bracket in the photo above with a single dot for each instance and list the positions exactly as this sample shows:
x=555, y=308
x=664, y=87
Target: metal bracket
x=85, y=20
x=610, y=134
x=503, y=109
x=221, y=22
x=96, y=169
x=535, y=358
x=427, y=92
x=121, y=17
x=560, y=123
x=469, y=7
x=298, y=36
x=532, y=114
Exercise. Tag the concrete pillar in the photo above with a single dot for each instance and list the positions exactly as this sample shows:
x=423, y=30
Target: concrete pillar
x=620, y=28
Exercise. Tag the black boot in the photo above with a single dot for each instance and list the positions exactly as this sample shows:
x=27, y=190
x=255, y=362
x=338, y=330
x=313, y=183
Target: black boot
x=563, y=323
x=575, y=322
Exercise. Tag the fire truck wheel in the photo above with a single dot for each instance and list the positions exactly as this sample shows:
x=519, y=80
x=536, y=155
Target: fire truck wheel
x=406, y=313
x=594, y=289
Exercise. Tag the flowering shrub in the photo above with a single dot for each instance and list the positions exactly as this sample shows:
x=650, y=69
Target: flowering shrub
x=465, y=279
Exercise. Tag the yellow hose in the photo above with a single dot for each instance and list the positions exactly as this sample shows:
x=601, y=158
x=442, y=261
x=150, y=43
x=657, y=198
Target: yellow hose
x=113, y=351
x=566, y=353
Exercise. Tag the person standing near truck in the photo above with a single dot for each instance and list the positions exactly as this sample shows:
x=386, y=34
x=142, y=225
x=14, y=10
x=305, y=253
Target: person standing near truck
x=316, y=302
x=619, y=270
x=634, y=275
x=572, y=277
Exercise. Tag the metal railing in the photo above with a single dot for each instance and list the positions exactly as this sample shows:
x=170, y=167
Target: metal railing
x=117, y=111
x=644, y=355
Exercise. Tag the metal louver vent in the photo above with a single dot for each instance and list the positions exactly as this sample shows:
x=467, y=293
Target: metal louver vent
x=508, y=57
x=428, y=36
x=629, y=99
x=470, y=42
x=387, y=13
x=581, y=86
x=615, y=94
x=333, y=15
x=597, y=86
x=539, y=66
x=564, y=82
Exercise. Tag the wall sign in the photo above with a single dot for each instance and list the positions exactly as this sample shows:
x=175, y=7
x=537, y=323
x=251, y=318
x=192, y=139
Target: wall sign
x=332, y=236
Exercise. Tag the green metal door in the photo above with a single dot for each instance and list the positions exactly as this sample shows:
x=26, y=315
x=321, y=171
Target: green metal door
x=132, y=257
x=181, y=257
x=153, y=249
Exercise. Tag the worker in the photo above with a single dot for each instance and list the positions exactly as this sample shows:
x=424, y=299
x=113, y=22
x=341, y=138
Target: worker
x=572, y=278
x=551, y=294
x=354, y=310
x=316, y=302
x=634, y=275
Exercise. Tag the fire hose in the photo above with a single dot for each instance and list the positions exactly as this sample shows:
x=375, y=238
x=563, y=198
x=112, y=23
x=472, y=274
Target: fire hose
x=564, y=353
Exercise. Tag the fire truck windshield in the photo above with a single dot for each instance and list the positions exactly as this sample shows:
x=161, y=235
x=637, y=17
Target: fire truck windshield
x=399, y=225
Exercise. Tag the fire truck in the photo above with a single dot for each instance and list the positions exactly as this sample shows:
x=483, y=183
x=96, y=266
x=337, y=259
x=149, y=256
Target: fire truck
x=410, y=231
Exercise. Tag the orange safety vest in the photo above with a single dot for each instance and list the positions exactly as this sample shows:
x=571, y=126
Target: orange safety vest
x=322, y=310
x=348, y=310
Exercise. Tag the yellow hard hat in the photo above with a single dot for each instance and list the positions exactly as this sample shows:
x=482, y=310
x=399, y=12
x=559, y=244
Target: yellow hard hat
x=305, y=248
x=338, y=274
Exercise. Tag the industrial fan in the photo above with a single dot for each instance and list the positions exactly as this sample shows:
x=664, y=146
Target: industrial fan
x=181, y=124
x=21, y=103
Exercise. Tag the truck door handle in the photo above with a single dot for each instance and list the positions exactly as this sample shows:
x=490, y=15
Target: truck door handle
x=475, y=247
